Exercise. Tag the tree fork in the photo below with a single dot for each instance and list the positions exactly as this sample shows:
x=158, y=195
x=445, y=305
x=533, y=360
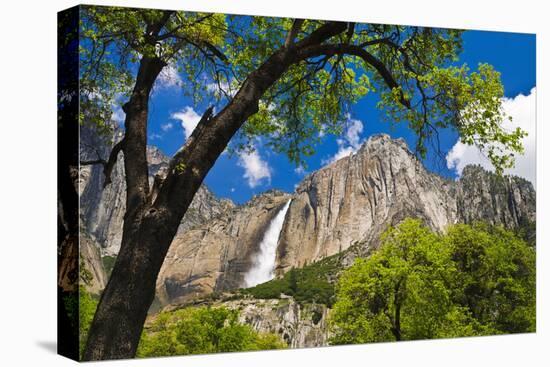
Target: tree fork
x=150, y=228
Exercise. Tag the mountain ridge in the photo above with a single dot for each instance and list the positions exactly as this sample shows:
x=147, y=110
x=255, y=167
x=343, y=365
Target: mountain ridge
x=351, y=200
x=348, y=201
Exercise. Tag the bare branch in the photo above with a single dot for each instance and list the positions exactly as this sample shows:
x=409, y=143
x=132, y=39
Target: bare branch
x=93, y=162
x=323, y=33
x=202, y=46
x=107, y=164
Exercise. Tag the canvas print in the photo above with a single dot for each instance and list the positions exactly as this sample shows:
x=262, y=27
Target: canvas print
x=235, y=183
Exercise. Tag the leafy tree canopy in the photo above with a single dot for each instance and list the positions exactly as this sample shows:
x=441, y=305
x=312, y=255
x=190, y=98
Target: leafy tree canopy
x=496, y=276
x=413, y=69
x=473, y=280
x=114, y=39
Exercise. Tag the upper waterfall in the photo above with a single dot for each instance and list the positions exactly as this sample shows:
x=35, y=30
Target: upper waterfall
x=264, y=262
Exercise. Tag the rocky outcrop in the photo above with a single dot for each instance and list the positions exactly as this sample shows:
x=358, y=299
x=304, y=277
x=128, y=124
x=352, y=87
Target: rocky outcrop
x=356, y=198
x=215, y=256
x=299, y=325
x=480, y=195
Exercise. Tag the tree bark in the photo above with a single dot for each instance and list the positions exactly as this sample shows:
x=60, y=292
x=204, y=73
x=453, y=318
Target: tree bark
x=149, y=228
x=397, y=300
x=397, y=326
x=123, y=306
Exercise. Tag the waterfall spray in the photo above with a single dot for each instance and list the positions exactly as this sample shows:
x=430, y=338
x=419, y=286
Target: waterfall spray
x=263, y=265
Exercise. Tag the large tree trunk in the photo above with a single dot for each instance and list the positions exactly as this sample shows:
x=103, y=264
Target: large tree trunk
x=149, y=228
x=123, y=306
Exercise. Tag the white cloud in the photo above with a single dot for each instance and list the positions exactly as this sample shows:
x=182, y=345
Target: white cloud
x=255, y=169
x=341, y=153
x=169, y=77
x=522, y=109
x=167, y=126
x=188, y=118
x=350, y=143
x=353, y=133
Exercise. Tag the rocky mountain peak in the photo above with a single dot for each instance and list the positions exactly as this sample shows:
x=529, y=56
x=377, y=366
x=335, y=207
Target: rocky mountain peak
x=356, y=198
x=377, y=141
x=267, y=198
x=349, y=202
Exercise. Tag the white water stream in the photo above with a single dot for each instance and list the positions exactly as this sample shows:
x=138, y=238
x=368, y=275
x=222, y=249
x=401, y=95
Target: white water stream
x=263, y=265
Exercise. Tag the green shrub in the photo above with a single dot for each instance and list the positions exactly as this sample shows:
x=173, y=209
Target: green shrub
x=87, y=307
x=199, y=330
x=312, y=283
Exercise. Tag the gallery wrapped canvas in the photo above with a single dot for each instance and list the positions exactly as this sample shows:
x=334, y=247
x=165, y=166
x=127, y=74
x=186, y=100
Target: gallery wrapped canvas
x=243, y=183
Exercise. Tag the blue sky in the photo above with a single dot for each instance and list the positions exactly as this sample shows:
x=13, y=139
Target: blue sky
x=240, y=177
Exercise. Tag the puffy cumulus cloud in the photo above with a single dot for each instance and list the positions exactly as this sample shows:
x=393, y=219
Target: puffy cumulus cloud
x=523, y=111
x=350, y=141
x=353, y=133
x=255, y=168
x=188, y=118
x=169, y=77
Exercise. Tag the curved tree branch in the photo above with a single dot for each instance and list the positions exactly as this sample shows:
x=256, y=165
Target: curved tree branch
x=108, y=167
x=204, y=146
x=370, y=59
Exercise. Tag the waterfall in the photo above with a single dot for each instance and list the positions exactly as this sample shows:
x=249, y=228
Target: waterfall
x=263, y=265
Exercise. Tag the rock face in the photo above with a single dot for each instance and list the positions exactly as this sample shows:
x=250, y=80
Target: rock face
x=92, y=272
x=350, y=201
x=299, y=325
x=510, y=201
x=215, y=256
x=358, y=197
x=102, y=209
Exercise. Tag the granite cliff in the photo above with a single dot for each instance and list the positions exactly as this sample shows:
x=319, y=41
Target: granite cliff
x=352, y=200
x=356, y=198
x=102, y=209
